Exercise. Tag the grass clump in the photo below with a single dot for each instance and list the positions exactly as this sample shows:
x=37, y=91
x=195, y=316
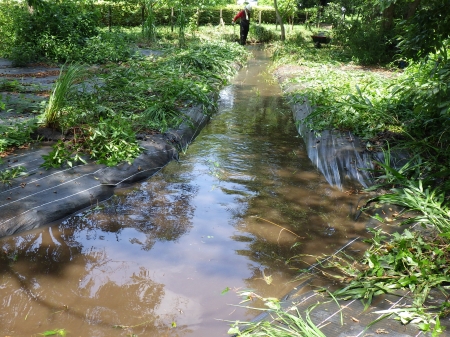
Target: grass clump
x=283, y=323
x=54, y=109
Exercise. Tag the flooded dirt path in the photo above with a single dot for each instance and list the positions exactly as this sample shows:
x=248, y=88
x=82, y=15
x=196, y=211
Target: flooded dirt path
x=155, y=259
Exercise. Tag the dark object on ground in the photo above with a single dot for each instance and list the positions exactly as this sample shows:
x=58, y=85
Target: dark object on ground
x=402, y=64
x=319, y=39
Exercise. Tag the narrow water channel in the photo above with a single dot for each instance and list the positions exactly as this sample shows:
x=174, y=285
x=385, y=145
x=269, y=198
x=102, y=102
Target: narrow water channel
x=155, y=259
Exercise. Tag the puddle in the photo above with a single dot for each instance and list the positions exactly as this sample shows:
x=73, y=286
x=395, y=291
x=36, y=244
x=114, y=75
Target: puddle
x=155, y=259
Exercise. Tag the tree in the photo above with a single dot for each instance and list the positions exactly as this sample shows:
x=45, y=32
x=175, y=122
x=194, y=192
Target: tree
x=279, y=20
x=425, y=28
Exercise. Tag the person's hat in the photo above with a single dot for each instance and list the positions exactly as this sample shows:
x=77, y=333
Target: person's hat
x=248, y=7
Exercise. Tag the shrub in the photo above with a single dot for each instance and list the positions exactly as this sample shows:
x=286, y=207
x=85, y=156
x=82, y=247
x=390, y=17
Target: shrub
x=103, y=48
x=261, y=34
x=9, y=11
x=53, y=31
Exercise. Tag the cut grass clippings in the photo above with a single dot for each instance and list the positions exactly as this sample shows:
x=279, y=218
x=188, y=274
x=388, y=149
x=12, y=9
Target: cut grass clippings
x=281, y=323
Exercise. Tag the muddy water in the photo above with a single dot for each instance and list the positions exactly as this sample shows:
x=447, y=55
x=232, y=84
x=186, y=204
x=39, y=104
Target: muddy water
x=155, y=259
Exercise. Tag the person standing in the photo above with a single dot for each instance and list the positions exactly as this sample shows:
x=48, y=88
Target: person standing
x=244, y=16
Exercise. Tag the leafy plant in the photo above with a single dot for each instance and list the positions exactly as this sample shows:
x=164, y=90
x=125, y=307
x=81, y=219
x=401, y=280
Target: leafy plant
x=53, y=30
x=63, y=153
x=9, y=10
x=112, y=141
x=103, y=48
x=16, y=135
x=7, y=175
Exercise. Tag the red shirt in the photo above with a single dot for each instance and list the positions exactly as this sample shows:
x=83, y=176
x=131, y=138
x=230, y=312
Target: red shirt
x=241, y=15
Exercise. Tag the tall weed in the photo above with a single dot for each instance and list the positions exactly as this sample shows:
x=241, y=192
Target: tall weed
x=54, y=110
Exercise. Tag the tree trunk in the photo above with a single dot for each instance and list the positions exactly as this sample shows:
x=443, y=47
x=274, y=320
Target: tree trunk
x=109, y=17
x=412, y=9
x=388, y=16
x=143, y=17
x=221, y=22
x=280, y=20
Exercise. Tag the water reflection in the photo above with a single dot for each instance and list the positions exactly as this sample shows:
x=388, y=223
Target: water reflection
x=161, y=253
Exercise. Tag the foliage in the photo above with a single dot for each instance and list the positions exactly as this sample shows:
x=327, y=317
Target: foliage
x=16, y=135
x=109, y=142
x=430, y=203
x=299, y=49
x=10, y=85
x=285, y=323
x=348, y=100
x=8, y=174
x=427, y=31
x=52, y=30
x=61, y=154
x=362, y=37
x=378, y=31
x=412, y=261
x=9, y=11
x=112, y=141
x=424, y=97
x=105, y=47
x=411, y=187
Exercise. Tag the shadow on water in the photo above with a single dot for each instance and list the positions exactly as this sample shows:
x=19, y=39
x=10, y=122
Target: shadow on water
x=154, y=259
